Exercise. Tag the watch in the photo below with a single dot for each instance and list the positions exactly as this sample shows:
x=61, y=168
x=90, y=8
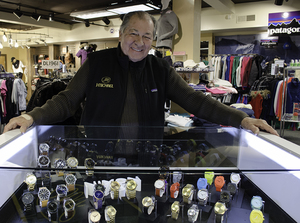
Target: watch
x=110, y=214
x=114, y=190
x=62, y=191
x=187, y=193
x=52, y=210
x=148, y=204
x=177, y=176
x=27, y=199
x=72, y=162
x=43, y=161
x=232, y=188
x=164, y=172
x=94, y=216
x=257, y=202
x=209, y=175
x=174, y=190
x=60, y=164
x=175, y=210
x=219, y=209
x=70, y=181
x=99, y=187
x=89, y=164
x=201, y=183
x=219, y=183
x=44, y=149
x=235, y=178
x=160, y=187
x=69, y=206
x=193, y=213
x=256, y=216
x=30, y=181
x=98, y=198
x=202, y=196
x=131, y=189
x=225, y=196
x=43, y=195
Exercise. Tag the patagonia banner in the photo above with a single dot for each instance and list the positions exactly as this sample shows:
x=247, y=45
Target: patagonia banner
x=284, y=24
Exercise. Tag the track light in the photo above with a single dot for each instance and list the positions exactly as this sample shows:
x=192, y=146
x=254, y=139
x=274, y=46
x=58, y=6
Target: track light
x=1, y=46
x=106, y=20
x=18, y=13
x=16, y=44
x=4, y=37
x=44, y=42
x=87, y=23
x=28, y=47
x=35, y=16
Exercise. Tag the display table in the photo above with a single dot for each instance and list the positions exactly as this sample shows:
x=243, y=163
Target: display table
x=264, y=164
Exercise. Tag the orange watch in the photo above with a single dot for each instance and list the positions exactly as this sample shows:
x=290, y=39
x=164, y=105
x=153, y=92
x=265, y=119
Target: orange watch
x=219, y=183
x=174, y=189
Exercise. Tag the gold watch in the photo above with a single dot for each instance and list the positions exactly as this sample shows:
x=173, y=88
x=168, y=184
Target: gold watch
x=30, y=181
x=110, y=214
x=72, y=162
x=114, y=190
x=148, y=204
x=187, y=193
x=175, y=210
x=131, y=189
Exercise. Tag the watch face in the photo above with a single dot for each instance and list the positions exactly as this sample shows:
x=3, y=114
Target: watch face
x=147, y=201
x=115, y=185
x=186, y=191
x=256, y=216
x=100, y=187
x=110, y=211
x=201, y=183
x=256, y=202
x=220, y=208
x=131, y=185
x=27, y=198
x=44, y=147
x=159, y=184
x=44, y=194
x=52, y=206
x=61, y=189
x=31, y=179
x=44, y=160
x=191, y=212
x=231, y=187
x=225, y=196
x=70, y=179
x=89, y=162
x=235, y=178
x=175, y=206
x=202, y=194
x=98, y=194
x=72, y=162
x=60, y=163
x=209, y=175
x=95, y=216
x=69, y=204
x=219, y=180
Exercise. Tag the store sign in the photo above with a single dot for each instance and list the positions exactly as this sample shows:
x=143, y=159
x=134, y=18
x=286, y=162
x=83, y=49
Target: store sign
x=50, y=64
x=281, y=24
x=270, y=42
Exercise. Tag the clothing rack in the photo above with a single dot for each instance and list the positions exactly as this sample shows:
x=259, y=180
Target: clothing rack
x=239, y=54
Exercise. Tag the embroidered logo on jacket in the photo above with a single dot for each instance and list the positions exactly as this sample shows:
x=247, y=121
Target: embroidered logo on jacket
x=105, y=83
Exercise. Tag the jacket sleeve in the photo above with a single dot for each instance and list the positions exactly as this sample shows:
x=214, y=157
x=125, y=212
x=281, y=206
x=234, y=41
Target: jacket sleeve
x=201, y=105
x=65, y=103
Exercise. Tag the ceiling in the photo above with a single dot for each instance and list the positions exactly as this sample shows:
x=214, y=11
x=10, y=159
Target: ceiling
x=61, y=10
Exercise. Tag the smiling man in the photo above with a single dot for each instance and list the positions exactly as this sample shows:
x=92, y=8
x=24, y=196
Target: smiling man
x=124, y=86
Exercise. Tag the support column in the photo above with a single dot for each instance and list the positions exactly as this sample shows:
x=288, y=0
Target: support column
x=189, y=33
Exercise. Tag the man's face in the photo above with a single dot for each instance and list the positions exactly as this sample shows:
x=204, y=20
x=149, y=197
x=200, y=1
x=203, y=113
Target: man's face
x=137, y=38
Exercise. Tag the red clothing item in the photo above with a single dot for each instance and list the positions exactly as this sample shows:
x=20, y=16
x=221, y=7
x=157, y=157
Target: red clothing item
x=3, y=95
x=257, y=105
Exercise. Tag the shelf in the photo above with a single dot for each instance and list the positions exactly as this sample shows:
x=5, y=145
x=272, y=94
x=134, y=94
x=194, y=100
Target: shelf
x=288, y=117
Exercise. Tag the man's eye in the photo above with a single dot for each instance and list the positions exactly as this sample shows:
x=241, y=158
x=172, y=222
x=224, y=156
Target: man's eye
x=147, y=37
x=134, y=34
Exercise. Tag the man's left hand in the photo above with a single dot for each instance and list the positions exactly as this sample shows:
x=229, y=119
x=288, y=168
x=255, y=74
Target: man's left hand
x=255, y=125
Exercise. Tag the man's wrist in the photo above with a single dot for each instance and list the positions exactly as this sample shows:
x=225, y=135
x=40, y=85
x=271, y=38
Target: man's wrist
x=27, y=117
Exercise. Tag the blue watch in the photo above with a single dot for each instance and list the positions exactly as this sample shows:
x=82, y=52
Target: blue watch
x=202, y=183
x=98, y=197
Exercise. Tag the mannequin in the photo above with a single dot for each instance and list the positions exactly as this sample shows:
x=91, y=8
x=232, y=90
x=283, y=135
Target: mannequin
x=167, y=26
x=85, y=49
x=18, y=67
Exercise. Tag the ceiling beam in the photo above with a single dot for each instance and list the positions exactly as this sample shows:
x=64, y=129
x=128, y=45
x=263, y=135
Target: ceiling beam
x=223, y=6
x=26, y=20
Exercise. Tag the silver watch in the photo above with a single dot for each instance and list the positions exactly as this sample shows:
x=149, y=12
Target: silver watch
x=202, y=196
x=43, y=161
x=193, y=213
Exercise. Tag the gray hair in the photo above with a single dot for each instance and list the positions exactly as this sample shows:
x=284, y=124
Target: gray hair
x=140, y=15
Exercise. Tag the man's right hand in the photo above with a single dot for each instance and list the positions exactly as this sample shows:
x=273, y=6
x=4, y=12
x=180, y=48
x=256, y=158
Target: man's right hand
x=22, y=121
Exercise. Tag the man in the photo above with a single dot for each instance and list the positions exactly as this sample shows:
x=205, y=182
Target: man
x=125, y=86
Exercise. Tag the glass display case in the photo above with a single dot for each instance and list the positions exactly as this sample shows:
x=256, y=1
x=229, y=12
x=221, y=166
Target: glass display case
x=166, y=174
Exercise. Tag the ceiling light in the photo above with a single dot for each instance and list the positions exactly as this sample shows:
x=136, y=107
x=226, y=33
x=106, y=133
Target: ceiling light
x=35, y=16
x=106, y=20
x=16, y=44
x=91, y=14
x=28, y=47
x=1, y=46
x=51, y=15
x=127, y=9
x=18, y=13
x=4, y=38
x=10, y=41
